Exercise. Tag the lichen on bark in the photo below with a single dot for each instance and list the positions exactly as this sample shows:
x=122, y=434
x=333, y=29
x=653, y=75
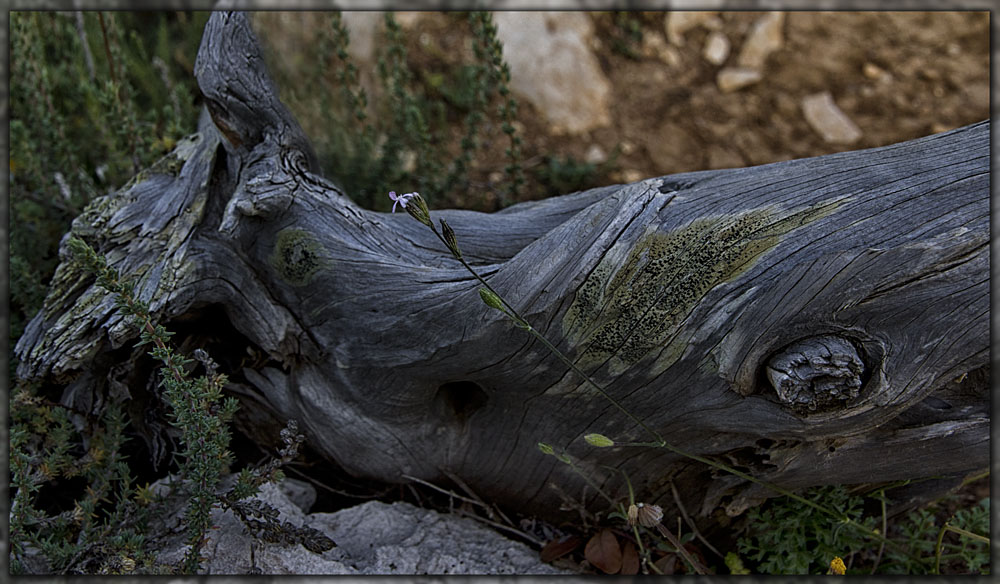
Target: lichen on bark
x=619, y=316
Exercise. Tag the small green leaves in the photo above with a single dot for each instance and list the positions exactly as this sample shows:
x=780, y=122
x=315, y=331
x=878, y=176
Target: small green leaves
x=547, y=449
x=599, y=440
x=735, y=564
x=491, y=299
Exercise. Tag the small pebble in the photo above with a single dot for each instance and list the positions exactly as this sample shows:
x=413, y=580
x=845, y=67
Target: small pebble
x=631, y=175
x=872, y=71
x=732, y=78
x=765, y=37
x=677, y=23
x=595, y=155
x=654, y=46
x=716, y=48
x=828, y=120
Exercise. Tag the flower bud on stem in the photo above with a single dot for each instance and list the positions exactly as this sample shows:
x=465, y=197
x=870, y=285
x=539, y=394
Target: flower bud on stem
x=449, y=239
x=417, y=208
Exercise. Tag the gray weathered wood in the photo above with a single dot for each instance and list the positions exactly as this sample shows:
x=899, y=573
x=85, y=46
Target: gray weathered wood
x=685, y=295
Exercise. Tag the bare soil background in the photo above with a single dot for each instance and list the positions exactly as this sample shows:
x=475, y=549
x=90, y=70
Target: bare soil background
x=897, y=75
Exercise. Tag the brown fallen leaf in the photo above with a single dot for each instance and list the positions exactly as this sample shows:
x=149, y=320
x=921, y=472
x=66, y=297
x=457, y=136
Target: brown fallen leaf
x=630, y=560
x=604, y=552
x=559, y=547
x=667, y=564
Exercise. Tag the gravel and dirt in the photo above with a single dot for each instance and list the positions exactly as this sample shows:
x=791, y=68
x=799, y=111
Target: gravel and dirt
x=676, y=103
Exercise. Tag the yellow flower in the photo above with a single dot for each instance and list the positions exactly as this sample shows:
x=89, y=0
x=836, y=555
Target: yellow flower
x=145, y=495
x=837, y=566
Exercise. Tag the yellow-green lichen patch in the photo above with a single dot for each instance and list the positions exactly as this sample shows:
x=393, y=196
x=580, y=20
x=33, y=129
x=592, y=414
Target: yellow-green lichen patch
x=297, y=256
x=626, y=309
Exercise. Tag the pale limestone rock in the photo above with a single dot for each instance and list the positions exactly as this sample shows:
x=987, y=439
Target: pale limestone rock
x=372, y=538
x=732, y=78
x=828, y=120
x=553, y=67
x=764, y=38
x=716, y=49
x=362, y=27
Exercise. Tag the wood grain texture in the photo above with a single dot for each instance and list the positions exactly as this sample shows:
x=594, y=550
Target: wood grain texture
x=674, y=292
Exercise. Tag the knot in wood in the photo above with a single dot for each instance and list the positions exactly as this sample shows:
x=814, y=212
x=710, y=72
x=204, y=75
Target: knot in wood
x=817, y=373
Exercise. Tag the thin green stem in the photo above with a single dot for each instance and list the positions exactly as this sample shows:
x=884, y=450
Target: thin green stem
x=975, y=478
x=520, y=321
x=966, y=533
x=881, y=548
x=937, y=550
x=660, y=442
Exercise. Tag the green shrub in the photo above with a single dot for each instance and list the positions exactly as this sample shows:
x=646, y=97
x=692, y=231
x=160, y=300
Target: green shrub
x=785, y=537
x=94, y=97
x=408, y=143
x=921, y=535
x=566, y=175
x=98, y=527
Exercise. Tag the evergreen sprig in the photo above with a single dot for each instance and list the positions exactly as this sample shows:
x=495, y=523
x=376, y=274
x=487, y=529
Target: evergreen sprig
x=197, y=407
x=488, y=45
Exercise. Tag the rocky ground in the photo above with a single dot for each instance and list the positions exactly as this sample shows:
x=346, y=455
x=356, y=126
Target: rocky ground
x=667, y=92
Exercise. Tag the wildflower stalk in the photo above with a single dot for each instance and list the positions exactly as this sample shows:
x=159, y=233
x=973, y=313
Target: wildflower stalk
x=414, y=204
x=520, y=322
x=881, y=548
x=635, y=525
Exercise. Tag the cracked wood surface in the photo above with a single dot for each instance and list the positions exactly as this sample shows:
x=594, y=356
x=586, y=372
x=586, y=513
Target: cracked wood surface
x=674, y=292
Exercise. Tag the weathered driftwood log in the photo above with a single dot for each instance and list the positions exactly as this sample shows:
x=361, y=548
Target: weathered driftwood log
x=810, y=322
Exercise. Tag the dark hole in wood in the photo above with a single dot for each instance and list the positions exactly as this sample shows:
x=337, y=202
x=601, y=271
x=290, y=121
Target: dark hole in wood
x=750, y=460
x=461, y=398
x=765, y=443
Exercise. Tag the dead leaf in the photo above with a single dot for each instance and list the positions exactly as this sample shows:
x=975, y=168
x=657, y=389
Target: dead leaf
x=630, y=559
x=604, y=553
x=667, y=564
x=559, y=547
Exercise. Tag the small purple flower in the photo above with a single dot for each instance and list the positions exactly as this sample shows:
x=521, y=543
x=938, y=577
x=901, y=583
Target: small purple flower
x=400, y=199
